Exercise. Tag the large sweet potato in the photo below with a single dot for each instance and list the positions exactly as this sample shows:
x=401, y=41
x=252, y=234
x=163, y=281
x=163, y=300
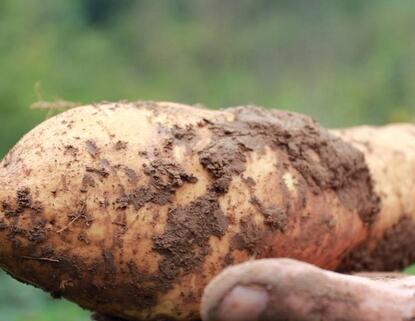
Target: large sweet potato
x=129, y=209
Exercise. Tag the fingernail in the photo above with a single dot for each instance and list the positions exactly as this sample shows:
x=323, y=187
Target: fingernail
x=242, y=303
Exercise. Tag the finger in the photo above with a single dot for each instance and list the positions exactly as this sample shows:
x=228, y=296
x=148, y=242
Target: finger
x=284, y=289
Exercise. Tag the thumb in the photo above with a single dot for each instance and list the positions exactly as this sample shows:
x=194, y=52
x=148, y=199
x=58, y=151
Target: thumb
x=284, y=289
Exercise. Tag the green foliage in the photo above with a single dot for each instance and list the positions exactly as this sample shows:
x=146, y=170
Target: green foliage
x=19, y=302
x=410, y=270
x=343, y=62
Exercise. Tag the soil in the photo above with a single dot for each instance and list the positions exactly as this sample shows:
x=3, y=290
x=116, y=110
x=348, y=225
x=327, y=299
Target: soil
x=92, y=148
x=120, y=145
x=248, y=238
x=393, y=252
x=188, y=228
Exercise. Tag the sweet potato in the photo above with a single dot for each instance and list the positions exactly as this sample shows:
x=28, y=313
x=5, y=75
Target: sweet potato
x=129, y=209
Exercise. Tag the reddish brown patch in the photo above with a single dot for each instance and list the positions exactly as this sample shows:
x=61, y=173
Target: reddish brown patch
x=393, y=252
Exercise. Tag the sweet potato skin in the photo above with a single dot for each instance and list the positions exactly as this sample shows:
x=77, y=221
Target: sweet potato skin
x=129, y=209
x=390, y=155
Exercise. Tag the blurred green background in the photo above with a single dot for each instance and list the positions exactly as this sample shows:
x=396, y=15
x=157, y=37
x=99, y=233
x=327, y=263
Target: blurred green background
x=345, y=62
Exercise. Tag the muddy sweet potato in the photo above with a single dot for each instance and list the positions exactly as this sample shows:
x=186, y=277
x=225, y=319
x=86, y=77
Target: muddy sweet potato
x=129, y=209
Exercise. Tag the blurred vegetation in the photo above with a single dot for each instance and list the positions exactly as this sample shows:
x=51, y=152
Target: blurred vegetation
x=19, y=302
x=345, y=62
